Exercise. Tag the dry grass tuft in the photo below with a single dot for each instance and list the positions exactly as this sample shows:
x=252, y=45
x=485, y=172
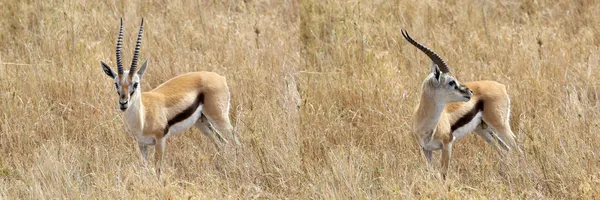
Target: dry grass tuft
x=322, y=97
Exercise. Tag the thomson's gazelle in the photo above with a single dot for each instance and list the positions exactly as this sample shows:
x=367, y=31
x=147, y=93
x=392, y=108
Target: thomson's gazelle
x=448, y=110
x=197, y=98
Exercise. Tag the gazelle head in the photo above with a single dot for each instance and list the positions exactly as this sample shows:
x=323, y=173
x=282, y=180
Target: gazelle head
x=440, y=84
x=127, y=82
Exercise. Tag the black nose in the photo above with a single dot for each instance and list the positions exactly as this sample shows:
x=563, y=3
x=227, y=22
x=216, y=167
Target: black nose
x=123, y=103
x=467, y=90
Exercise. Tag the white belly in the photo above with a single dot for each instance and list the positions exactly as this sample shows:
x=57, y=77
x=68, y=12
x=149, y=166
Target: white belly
x=467, y=128
x=186, y=123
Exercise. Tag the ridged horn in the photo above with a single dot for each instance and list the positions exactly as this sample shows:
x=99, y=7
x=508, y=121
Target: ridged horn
x=432, y=55
x=136, y=54
x=119, y=46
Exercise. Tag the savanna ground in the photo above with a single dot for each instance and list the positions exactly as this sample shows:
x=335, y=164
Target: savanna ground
x=322, y=98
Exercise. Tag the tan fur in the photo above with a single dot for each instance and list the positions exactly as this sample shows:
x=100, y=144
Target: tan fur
x=197, y=98
x=173, y=97
x=169, y=99
x=494, y=114
x=444, y=101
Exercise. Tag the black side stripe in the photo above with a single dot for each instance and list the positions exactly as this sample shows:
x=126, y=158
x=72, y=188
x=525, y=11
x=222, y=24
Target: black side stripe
x=189, y=111
x=465, y=119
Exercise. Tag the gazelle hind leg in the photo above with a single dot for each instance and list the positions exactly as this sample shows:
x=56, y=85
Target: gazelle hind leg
x=216, y=111
x=206, y=128
x=488, y=136
x=501, y=130
x=506, y=137
x=496, y=116
x=221, y=126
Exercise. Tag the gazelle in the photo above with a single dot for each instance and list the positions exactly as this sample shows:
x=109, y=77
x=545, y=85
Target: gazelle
x=448, y=110
x=196, y=98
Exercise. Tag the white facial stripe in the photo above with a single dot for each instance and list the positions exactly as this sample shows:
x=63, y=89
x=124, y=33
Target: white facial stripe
x=126, y=90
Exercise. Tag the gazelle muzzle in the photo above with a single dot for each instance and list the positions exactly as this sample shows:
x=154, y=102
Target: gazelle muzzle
x=124, y=100
x=466, y=92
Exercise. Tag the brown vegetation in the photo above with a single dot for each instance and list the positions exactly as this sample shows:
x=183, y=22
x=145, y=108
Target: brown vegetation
x=322, y=98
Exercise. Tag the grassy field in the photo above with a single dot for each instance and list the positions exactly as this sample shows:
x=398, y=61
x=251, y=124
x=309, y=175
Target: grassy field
x=322, y=98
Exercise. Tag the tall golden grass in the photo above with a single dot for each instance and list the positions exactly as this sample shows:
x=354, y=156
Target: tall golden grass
x=322, y=98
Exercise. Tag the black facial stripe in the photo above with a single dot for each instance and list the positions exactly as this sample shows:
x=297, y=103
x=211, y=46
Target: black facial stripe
x=187, y=112
x=465, y=119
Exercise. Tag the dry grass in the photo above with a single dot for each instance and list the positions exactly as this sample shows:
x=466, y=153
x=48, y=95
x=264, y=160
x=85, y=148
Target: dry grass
x=322, y=97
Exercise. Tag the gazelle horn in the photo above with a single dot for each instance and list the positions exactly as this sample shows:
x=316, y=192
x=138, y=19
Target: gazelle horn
x=432, y=55
x=119, y=45
x=136, y=54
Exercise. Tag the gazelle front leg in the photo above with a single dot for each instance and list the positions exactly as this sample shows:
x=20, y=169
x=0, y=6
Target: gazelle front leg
x=446, y=156
x=144, y=153
x=143, y=142
x=428, y=155
x=159, y=150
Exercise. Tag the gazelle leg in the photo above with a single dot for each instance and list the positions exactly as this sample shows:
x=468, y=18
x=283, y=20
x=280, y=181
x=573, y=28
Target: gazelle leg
x=509, y=137
x=446, y=156
x=490, y=138
x=206, y=128
x=505, y=136
x=497, y=119
x=144, y=153
x=428, y=156
x=486, y=134
x=216, y=111
x=159, y=150
x=223, y=126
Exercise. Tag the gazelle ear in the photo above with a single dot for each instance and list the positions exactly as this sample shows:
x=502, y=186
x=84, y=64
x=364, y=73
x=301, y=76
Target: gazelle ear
x=107, y=70
x=143, y=68
x=436, y=71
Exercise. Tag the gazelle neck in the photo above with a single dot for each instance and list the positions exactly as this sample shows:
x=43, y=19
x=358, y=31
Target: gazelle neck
x=428, y=113
x=134, y=115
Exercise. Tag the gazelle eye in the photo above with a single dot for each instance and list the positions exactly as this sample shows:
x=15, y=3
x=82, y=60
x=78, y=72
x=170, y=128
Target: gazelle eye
x=135, y=85
x=452, y=83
